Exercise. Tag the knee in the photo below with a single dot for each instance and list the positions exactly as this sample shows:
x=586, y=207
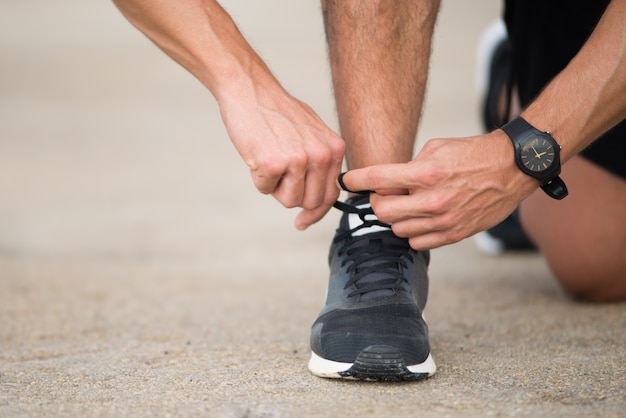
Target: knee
x=583, y=237
x=589, y=266
x=589, y=281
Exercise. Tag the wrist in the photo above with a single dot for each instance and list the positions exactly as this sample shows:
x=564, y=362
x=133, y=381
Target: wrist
x=246, y=82
x=506, y=157
x=226, y=63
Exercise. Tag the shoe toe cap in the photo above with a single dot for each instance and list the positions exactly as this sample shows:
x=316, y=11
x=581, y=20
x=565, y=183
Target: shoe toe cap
x=341, y=335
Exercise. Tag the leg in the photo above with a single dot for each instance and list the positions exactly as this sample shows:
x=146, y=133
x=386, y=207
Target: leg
x=379, y=52
x=583, y=236
x=371, y=326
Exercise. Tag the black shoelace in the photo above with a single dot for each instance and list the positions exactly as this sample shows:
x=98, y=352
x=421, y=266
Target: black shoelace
x=375, y=259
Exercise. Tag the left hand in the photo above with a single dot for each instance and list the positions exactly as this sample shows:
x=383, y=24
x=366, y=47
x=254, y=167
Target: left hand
x=454, y=188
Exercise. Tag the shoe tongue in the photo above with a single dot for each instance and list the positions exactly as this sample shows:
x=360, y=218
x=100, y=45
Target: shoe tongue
x=355, y=221
x=374, y=246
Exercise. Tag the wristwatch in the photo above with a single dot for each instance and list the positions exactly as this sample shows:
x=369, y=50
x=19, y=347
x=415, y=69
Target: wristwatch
x=537, y=154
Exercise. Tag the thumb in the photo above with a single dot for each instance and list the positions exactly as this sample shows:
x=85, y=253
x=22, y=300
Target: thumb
x=308, y=217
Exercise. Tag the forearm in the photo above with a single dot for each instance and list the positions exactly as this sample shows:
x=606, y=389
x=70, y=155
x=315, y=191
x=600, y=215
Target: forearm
x=201, y=36
x=291, y=153
x=589, y=96
x=379, y=53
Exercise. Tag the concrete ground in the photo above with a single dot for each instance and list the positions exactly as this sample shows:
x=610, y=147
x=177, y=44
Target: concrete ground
x=142, y=275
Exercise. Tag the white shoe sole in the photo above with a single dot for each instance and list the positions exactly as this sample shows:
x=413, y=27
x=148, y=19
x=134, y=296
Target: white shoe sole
x=373, y=364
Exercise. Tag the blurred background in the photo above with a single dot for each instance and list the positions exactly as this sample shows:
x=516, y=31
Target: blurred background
x=109, y=149
x=141, y=272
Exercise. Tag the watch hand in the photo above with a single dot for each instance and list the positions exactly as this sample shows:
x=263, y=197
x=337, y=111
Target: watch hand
x=536, y=153
x=539, y=155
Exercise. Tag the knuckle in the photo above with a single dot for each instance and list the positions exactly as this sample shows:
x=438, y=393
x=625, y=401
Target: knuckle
x=311, y=201
x=373, y=178
x=338, y=147
x=456, y=236
x=431, y=176
x=434, y=206
x=451, y=229
x=434, y=144
x=298, y=160
x=330, y=197
x=399, y=230
x=444, y=223
x=321, y=156
x=262, y=187
x=287, y=200
x=328, y=202
x=271, y=167
x=383, y=213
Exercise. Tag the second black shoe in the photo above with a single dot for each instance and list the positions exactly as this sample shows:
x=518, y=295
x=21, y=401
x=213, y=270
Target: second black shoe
x=371, y=327
x=508, y=235
x=495, y=66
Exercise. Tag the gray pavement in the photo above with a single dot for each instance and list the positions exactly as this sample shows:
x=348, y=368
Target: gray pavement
x=142, y=275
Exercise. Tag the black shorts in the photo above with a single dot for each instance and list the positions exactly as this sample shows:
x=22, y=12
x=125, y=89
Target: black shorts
x=545, y=35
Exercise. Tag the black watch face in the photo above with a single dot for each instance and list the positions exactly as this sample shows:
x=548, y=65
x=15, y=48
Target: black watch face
x=537, y=153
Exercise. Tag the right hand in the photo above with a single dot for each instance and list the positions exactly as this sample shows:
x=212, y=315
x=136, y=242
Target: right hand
x=454, y=188
x=291, y=153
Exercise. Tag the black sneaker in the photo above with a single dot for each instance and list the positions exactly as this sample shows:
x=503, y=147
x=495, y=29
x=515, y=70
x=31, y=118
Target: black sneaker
x=371, y=327
x=495, y=66
x=508, y=235
x=495, y=58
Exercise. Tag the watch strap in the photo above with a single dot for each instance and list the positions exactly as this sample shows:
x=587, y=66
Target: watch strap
x=517, y=127
x=555, y=188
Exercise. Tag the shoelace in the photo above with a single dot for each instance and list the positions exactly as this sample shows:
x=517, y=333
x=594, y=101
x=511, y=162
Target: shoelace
x=376, y=258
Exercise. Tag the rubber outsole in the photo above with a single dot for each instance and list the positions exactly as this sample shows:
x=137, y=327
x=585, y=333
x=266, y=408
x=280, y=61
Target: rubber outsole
x=375, y=363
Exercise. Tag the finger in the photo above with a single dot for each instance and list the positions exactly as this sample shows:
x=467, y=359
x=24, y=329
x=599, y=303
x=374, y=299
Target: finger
x=428, y=241
x=314, y=188
x=343, y=186
x=290, y=190
x=321, y=189
x=428, y=232
x=318, y=177
x=308, y=217
x=375, y=178
x=397, y=208
x=276, y=170
x=265, y=183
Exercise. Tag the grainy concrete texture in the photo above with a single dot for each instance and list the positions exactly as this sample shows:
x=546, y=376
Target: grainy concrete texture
x=142, y=275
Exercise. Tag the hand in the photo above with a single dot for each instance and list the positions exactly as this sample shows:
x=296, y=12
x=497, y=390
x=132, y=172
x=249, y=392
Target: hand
x=291, y=153
x=454, y=188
